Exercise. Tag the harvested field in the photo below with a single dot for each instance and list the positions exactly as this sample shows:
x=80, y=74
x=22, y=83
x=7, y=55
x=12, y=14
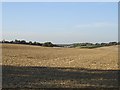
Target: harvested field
x=45, y=67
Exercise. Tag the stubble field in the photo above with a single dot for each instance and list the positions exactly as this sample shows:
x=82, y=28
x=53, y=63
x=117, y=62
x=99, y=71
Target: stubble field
x=27, y=66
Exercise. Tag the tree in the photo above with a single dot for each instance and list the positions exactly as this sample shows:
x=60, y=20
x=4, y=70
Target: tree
x=113, y=43
x=97, y=44
x=34, y=43
x=22, y=42
x=3, y=41
x=48, y=44
x=104, y=44
x=119, y=43
x=30, y=42
x=11, y=41
x=39, y=44
x=17, y=41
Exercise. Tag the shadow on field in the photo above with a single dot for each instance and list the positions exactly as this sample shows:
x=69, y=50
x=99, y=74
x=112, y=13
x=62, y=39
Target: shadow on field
x=54, y=77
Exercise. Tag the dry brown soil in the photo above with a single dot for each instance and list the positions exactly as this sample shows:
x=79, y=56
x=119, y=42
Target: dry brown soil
x=45, y=67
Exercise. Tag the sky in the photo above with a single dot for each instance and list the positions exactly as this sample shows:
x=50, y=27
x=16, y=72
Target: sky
x=60, y=22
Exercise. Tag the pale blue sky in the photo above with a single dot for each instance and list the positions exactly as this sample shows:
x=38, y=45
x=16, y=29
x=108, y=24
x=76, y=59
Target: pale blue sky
x=61, y=22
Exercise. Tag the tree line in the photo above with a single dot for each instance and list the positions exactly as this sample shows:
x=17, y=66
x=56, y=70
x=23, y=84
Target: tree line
x=50, y=44
x=47, y=44
x=91, y=45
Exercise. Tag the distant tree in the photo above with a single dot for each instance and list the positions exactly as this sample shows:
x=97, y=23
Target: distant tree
x=17, y=41
x=11, y=41
x=34, y=43
x=97, y=44
x=30, y=42
x=22, y=42
x=89, y=44
x=113, y=43
x=103, y=44
x=48, y=44
x=119, y=43
x=39, y=44
x=83, y=44
x=3, y=41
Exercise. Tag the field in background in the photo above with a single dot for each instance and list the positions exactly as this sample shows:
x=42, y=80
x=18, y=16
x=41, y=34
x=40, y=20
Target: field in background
x=40, y=67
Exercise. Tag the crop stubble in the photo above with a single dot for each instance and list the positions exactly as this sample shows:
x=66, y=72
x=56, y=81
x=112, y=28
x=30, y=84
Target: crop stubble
x=25, y=55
